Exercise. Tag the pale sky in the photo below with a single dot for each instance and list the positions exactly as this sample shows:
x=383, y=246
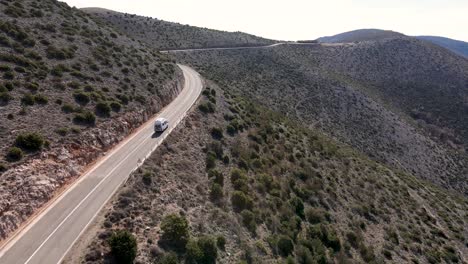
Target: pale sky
x=304, y=19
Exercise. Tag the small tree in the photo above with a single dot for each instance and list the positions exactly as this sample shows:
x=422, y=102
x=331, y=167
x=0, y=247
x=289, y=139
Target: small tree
x=202, y=251
x=30, y=141
x=175, y=230
x=241, y=201
x=14, y=154
x=123, y=246
x=285, y=245
x=216, y=192
x=103, y=109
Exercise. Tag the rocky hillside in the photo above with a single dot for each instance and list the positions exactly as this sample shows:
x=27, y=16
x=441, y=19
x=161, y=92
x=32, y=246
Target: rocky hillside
x=400, y=101
x=361, y=35
x=70, y=89
x=165, y=35
x=457, y=46
x=238, y=183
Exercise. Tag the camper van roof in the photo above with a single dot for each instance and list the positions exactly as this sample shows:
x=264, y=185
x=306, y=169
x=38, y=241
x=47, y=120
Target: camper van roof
x=159, y=120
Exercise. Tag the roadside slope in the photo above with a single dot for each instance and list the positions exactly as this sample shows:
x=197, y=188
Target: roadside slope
x=70, y=89
x=276, y=191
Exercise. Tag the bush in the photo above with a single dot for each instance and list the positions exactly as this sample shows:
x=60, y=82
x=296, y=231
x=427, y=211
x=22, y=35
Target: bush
x=241, y=201
x=221, y=242
x=30, y=141
x=285, y=246
x=210, y=160
x=248, y=219
x=216, y=192
x=81, y=98
x=315, y=215
x=169, y=258
x=304, y=256
x=9, y=75
x=116, y=106
x=217, y=133
x=41, y=99
x=5, y=97
x=85, y=118
x=217, y=176
x=68, y=108
x=207, y=107
x=123, y=246
x=202, y=251
x=14, y=154
x=27, y=99
x=3, y=167
x=62, y=131
x=175, y=231
x=103, y=109
x=298, y=206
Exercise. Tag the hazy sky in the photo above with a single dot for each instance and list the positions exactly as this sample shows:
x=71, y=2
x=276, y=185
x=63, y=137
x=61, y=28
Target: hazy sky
x=304, y=19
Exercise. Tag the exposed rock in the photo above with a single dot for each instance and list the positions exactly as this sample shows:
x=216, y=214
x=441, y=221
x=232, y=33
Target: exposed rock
x=29, y=186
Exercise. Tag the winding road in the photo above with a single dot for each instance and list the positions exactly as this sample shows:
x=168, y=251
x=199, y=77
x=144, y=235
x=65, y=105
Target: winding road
x=52, y=233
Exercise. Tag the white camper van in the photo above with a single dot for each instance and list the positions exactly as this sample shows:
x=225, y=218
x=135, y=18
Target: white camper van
x=161, y=124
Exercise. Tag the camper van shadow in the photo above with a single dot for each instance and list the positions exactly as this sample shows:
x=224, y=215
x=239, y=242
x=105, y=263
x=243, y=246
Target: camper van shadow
x=157, y=134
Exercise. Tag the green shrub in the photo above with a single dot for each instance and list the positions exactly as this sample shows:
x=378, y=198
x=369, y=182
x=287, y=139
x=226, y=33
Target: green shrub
x=202, y=251
x=85, y=118
x=41, y=99
x=5, y=97
x=175, y=231
x=210, y=160
x=27, y=99
x=298, y=206
x=68, y=108
x=304, y=256
x=33, y=87
x=8, y=75
x=248, y=219
x=217, y=133
x=62, y=131
x=207, y=107
x=193, y=251
x=81, y=98
x=103, y=109
x=168, y=258
x=14, y=154
x=241, y=201
x=30, y=141
x=217, y=176
x=285, y=246
x=315, y=215
x=3, y=167
x=221, y=242
x=216, y=192
x=116, y=106
x=123, y=247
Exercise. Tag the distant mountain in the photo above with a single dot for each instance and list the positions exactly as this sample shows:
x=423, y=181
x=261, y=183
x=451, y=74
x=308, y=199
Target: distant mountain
x=360, y=35
x=457, y=46
x=168, y=35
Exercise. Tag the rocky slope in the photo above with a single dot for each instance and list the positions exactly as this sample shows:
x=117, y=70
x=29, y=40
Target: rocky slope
x=165, y=35
x=70, y=89
x=457, y=46
x=395, y=100
x=277, y=192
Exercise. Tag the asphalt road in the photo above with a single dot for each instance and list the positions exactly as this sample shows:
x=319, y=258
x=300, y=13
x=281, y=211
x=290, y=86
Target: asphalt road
x=52, y=233
x=241, y=48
